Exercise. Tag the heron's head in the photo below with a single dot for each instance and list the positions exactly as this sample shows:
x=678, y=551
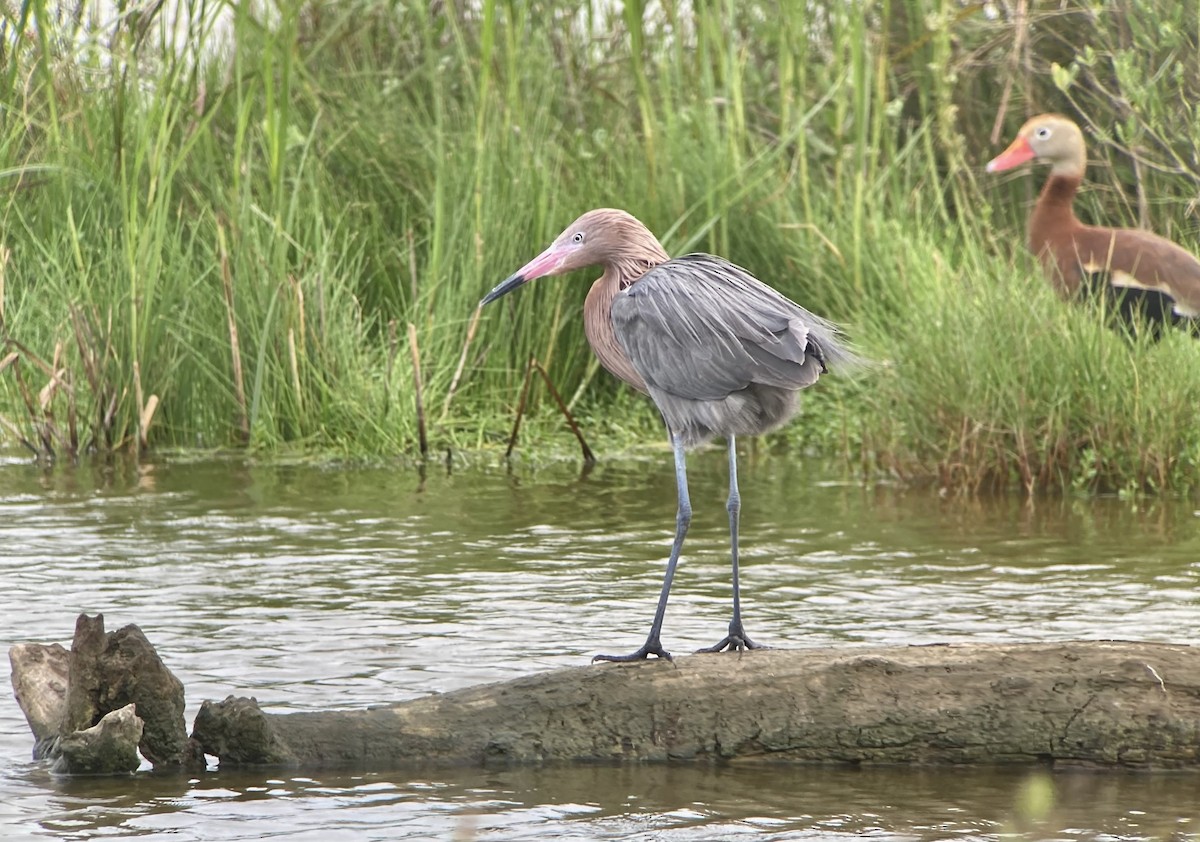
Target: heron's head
x=1049, y=138
x=600, y=237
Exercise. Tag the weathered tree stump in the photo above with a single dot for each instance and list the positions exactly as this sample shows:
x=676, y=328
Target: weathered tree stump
x=66, y=695
x=1103, y=704
x=110, y=671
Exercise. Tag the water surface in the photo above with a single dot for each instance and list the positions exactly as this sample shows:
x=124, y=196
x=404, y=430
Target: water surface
x=312, y=588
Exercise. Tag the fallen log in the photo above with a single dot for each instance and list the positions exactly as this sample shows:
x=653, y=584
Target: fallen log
x=1101, y=704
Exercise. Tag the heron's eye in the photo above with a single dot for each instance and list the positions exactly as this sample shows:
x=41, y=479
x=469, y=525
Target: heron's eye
x=1043, y=133
x=578, y=237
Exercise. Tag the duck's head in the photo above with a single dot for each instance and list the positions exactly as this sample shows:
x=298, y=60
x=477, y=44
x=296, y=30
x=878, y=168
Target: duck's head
x=1049, y=138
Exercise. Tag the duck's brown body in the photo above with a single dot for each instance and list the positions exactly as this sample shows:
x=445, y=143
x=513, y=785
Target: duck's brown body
x=1149, y=271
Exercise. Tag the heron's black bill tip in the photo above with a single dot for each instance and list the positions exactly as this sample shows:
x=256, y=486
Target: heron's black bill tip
x=503, y=288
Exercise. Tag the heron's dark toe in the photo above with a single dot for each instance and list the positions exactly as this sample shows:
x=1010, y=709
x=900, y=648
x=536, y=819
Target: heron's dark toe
x=736, y=641
x=650, y=647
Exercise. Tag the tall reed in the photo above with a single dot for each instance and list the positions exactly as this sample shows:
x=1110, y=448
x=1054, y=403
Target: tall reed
x=231, y=213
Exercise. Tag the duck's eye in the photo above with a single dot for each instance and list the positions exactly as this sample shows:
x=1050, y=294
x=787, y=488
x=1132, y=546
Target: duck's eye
x=1043, y=133
x=578, y=237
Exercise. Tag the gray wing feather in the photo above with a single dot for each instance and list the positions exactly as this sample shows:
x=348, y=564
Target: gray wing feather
x=701, y=328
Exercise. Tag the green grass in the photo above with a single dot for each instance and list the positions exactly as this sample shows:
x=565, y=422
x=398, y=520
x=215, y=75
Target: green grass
x=345, y=170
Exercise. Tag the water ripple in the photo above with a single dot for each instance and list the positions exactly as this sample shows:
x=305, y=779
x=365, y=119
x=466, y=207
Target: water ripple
x=313, y=588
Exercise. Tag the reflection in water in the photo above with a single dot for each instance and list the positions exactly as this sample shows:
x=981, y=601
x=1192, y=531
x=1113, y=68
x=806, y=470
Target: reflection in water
x=606, y=802
x=314, y=588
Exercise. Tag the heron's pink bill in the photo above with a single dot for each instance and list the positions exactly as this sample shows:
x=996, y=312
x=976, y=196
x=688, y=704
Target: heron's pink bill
x=1017, y=153
x=546, y=263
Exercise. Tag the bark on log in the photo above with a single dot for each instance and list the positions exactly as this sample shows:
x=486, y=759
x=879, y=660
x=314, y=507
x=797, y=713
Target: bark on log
x=1103, y=704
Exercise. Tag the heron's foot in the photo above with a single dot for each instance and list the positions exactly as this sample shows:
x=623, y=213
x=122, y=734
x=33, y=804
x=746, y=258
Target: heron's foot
x=650, y=647
x=736, y=641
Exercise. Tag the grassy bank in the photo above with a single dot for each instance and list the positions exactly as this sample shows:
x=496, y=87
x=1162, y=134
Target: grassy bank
x=238, y=233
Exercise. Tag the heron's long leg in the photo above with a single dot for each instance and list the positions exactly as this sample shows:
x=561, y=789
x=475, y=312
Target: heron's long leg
x=683, y=517
x=736, y=639
x=734, y=506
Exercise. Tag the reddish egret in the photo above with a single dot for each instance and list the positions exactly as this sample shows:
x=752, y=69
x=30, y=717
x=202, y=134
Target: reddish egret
x=1141, y=269
x=718, y=351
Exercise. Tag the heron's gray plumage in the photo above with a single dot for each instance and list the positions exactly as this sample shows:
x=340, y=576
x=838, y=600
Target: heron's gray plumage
x=720, y=352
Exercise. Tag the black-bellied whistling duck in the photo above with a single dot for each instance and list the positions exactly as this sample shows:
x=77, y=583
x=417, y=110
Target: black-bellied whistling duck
x=1142, y=270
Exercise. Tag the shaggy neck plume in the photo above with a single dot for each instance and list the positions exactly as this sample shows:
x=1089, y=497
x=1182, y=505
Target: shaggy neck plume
x=639, y=252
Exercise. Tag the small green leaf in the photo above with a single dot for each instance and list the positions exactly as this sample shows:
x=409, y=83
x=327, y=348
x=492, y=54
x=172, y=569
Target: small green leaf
x=1061, y=76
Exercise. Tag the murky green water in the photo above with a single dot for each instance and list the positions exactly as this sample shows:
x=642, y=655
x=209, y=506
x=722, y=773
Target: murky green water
x=313, y=588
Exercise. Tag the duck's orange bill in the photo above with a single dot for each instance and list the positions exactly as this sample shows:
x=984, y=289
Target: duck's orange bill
x=1017, y=153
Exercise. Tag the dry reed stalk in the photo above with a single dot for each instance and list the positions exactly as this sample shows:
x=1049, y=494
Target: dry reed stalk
x=512, y=438
x=592, y=368
x=46, y=395
x=418, y=397
x=145, y=409
x=295, y=364
x=107, y=354
x=299, y=306
x=30, y=357
x=86, y=343
x=42, y=431
x=1020, y=29
x=393, y=349
x=462, y=362
x=4, y=255
x=534, y=364
x=239, y=385
x=72, y=421
x=109, y=414
x=412, y=265
x=321, y=316
x=13, y=429
x=59, y=381
x=147, y=417
x=137, y=396
x=293, y=354
x=16, y=433
x=562, y=407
